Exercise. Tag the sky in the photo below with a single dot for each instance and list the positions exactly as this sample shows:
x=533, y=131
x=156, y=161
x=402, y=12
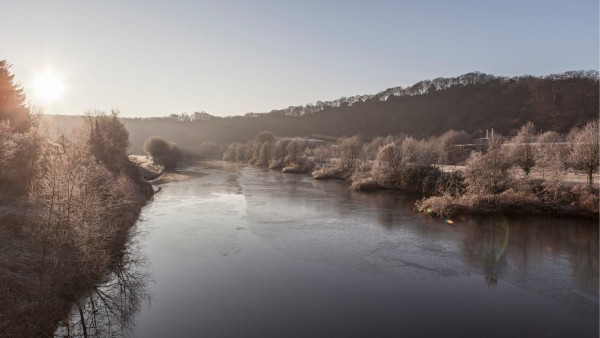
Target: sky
x=155, y=58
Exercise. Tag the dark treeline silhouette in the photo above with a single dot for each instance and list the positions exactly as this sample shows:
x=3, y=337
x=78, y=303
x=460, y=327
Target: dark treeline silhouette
x=472, y=102
x=67, y=204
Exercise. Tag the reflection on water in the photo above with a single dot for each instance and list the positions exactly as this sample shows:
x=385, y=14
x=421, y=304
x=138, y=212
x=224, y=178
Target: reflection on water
x=484, y=246
x=110, y=308
x=529, y=244
x=243, y=252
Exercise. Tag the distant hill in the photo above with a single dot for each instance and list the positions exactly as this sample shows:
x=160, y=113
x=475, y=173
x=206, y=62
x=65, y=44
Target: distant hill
x=472, y=102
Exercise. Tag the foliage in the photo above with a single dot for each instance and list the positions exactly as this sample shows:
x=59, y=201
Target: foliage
x=108, y=139
x=12, y=101
x=162, y=152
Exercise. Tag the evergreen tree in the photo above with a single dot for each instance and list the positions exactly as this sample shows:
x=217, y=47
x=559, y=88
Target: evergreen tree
x=12, y=101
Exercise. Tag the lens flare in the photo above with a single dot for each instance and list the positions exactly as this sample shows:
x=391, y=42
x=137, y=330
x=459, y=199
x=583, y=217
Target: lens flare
x=48, y=86
x=449, y=221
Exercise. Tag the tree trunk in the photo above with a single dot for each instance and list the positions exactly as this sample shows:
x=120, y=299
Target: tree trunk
x=85, y=335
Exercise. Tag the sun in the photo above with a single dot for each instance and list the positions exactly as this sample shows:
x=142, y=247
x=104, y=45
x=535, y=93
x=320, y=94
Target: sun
x=48, y=86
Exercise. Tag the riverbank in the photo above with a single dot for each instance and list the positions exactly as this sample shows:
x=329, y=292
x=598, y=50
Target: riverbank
x=572, y=202
x=443, y=192
x=47, y=267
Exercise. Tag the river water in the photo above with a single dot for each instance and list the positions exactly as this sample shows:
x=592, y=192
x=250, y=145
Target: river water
x=237, y=251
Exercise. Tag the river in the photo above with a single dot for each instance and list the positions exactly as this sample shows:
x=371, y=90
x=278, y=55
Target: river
x=237, y=251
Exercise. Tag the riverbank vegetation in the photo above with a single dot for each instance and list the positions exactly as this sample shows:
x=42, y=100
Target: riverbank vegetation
x=66, y=209
x=531, y=172
x=162, y=152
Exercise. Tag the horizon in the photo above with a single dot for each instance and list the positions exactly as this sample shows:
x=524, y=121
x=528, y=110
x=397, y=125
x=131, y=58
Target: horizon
x=311, y=102
x=229, y=59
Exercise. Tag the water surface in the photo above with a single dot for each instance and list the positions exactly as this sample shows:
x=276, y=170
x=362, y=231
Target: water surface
x=236, y=251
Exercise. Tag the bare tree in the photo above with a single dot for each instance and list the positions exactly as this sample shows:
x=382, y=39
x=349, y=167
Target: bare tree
x=110, y=308
x=265, y=155
x=410, y=150
x=279, y=152
x=523, y=150
x=429, y=152
x=243, y=153
x=452, y=152
x=487, y=173
x=293, y=149
x=550, y=153
x=322, y=154
x=388, y=163
x=230, y=152
x=264, y=136
x=583, y=150
x=349, y=150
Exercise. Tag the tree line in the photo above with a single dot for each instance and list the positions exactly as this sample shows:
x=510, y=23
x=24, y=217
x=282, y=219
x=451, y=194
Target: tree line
x=472, y=102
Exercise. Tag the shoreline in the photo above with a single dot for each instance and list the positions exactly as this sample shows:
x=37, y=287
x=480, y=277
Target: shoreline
x=526, y=204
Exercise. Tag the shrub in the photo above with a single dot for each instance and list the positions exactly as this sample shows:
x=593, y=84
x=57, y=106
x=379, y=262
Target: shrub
x=162, y=152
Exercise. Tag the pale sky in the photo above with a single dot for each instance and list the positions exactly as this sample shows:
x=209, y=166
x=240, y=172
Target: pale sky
x=154, y=58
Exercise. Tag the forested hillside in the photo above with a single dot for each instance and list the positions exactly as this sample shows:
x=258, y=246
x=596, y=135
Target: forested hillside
x=472, y=102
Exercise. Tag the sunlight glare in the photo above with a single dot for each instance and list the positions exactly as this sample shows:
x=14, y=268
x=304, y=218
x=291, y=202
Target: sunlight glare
x=49, y=86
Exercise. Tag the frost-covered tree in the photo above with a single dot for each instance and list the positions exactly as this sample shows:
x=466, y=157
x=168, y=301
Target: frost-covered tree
x=349, y=151
x=265, y=155
x=550, y=152
x=75, y=208
x=429, y=152
x=410, y=151
x=230, y=152
x=583, y=145
x=12, y=101
x=264, y=136
x=523, y=150
x=294, y=151
x=322, y=154
x=279, y=151
x=487, y=173
x=108, y=139
x=388, y=163
x=452, y=152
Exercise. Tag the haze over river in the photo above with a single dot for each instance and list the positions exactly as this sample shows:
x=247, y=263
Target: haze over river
x=238, y=251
